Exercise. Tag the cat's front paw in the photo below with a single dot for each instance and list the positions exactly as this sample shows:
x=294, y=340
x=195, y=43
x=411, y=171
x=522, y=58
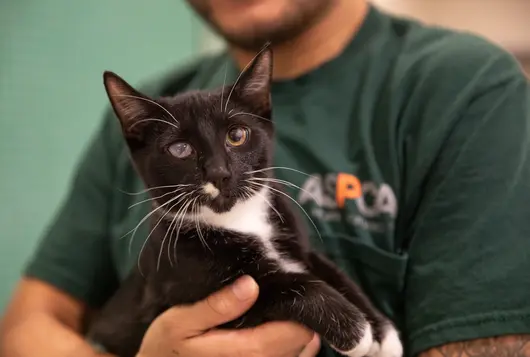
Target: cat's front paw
x=363, y=346
x=390, y=345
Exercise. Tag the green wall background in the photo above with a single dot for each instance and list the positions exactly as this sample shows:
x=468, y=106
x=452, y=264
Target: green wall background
x=52, y=55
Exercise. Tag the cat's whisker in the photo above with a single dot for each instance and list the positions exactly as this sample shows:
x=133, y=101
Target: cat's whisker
x=180, y=214
x=267, y=202
x=168, y=211
x=133, y=231
x=248, y=193
x=244, y=193
x=183, y=216
x=178, y=197
x=146, y=240
x=239, y=77
x=165, y=235
x=278, y=168
x=154, y=119
x=156, y=198
x=250, y=115
x=161, y=245
x=292, y=199
x=195, y=217
x=152, y=188
x=170, y=231
x=149, y=235
x=201, y=236
x=223, y=87
x=285, y=183
x=197, y=224
x=149, y=101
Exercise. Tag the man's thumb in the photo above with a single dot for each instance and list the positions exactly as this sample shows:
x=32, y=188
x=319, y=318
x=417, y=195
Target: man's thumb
x=222, y=306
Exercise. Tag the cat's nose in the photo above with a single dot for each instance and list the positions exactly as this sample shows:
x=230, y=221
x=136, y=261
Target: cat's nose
x=218, y=174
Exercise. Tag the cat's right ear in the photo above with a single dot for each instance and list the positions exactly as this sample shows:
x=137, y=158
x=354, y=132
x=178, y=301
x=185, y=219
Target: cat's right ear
x=254, y=84
x=129, y=105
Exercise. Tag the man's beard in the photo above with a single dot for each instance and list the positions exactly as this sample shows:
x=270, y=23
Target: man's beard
x=301, y=15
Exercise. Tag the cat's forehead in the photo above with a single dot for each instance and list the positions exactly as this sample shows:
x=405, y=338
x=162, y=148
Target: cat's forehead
x=193, y=102
x=201, y=105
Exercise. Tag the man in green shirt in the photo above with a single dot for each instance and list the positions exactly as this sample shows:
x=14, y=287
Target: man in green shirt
x=417, y=140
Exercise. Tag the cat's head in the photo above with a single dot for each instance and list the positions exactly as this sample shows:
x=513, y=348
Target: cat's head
x=201, y=145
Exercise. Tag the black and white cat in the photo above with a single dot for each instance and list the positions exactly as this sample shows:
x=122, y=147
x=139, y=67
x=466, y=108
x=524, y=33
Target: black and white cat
x=218, y=213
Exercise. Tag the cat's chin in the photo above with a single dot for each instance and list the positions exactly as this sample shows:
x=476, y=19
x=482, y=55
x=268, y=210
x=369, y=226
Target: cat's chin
x=221, y=204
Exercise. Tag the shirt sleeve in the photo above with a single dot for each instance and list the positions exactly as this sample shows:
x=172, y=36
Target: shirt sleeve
x=74, y=254
x=469, y=252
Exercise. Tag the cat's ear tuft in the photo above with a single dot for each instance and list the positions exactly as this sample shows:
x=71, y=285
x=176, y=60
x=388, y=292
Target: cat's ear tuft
x=255, y=82
x=129, y=105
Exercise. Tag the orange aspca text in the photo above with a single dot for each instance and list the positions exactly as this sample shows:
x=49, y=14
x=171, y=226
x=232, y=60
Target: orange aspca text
x=348, y=187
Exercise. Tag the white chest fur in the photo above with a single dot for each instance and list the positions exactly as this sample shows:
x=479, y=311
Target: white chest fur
x=249, y=217
x=252, y=217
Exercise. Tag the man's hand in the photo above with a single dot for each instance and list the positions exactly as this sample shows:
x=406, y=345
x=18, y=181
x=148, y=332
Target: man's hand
x=189, y=331
x=44, y=321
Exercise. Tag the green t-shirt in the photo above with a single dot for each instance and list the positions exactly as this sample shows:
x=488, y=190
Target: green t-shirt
x=417, y=139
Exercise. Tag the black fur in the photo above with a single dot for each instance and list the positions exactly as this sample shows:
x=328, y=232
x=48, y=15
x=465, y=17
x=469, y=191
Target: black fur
x=320, y=297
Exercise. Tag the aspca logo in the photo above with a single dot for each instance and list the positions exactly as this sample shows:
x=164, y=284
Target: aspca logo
x=337, y=196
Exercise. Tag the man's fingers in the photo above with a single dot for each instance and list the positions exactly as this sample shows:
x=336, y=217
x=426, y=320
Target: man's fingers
x=218, y=308
x=273, y=338
x=282, y=334
x=312, y=348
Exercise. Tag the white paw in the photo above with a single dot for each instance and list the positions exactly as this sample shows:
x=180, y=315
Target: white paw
x=364, y=345
x=374, y=350
x=391, y=345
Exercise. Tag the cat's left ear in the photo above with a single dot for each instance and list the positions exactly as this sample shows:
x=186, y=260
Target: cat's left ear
x=254, y=86
x=129, y=105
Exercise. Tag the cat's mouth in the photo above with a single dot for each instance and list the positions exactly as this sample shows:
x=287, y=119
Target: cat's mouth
x=221, y=204
x=219, y=200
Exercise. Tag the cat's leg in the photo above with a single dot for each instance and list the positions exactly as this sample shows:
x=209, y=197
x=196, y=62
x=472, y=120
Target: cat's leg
x=313, y=303
x=120, y=326
x=387, y=342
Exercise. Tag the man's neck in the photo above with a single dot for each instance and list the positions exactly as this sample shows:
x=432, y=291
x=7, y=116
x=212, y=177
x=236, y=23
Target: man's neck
x=317, y=45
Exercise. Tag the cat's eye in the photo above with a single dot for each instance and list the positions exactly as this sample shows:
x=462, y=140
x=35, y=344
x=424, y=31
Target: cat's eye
x=180, y=150
x=237, y=136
